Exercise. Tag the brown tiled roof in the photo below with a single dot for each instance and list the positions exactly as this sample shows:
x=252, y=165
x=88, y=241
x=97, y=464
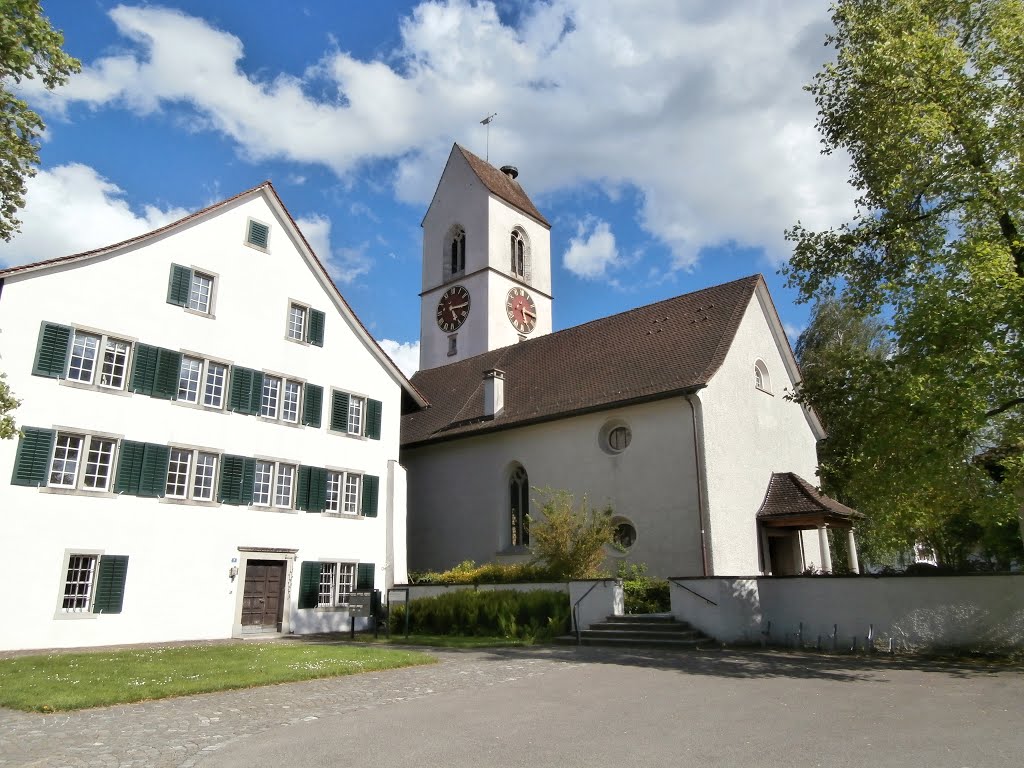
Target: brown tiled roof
x=502, y=185
x=790, y=496
x=656, y=351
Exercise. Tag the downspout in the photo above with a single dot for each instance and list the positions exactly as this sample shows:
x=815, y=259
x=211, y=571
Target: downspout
x=700, y=490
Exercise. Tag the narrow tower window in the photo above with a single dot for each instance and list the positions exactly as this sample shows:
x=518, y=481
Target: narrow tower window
x=458, y=252
x=519, y=508
x=518, y=254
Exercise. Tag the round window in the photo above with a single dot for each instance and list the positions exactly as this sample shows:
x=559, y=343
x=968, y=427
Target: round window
x=619, y=438
x=625, y=534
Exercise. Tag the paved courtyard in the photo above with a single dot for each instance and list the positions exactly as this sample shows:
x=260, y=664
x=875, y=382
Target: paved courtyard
x=566, y=707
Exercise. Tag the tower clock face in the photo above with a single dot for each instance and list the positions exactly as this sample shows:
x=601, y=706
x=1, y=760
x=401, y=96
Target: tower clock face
x=521, y=310
x=453, y=309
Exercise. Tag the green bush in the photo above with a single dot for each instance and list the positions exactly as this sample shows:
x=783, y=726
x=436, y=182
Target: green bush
x=571, y=540
x=533, y=616
x=643, y=593
x=468, y=572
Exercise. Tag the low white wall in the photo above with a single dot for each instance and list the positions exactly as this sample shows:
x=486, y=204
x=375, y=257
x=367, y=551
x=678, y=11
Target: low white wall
x=917, y=613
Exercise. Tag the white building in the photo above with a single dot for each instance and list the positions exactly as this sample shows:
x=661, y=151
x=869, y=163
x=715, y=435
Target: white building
x=210, y=439
x=674, y=414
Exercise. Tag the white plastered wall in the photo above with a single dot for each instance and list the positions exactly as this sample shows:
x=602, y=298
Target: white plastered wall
x=178, y=584
x=747, y=435
x=459, y=498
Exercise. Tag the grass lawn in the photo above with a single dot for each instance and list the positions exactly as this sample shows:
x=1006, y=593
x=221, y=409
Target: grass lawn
x=62, y=681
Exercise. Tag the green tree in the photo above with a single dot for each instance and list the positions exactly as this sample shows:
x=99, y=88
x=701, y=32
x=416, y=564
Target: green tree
x=569, y=540
x=29, y=47
x=927, y=99
x=7, y=404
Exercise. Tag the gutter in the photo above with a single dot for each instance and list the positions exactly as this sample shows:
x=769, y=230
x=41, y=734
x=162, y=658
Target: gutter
x=700, y=490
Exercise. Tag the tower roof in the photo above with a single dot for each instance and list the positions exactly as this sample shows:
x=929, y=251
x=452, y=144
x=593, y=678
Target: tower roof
x=502, y=185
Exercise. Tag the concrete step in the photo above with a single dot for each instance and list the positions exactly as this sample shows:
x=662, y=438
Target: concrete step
x=643, y=626
x=624, y=634
x=634, y=642
x=641, y=631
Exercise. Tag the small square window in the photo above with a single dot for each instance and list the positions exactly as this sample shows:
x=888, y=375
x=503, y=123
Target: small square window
x=258, y=234
x=78, y=582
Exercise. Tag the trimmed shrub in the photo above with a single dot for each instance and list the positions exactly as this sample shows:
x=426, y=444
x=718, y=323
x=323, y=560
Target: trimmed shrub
x=468, y=572
x=643, y=593
x=538, y=615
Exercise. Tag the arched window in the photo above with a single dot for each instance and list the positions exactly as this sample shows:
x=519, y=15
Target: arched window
x=520, y=255
x=519, y=508
x=761, y=379
x=457, y=247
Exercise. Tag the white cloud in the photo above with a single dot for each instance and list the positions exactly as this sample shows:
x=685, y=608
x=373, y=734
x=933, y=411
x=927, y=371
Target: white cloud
x=793, y=331
x=70, y=209
x=405, y=354
x=343, y=264
x=592, y=253
x=699, y=106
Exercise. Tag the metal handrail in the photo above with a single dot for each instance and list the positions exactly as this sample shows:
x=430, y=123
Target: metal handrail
x=683, y=586
x=576, y=613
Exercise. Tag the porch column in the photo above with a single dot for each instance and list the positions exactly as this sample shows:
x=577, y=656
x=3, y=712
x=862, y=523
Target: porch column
x=766, y=556
x=851, y=548
x=826, y=556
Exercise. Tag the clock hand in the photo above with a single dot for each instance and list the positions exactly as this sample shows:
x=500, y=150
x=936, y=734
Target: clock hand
x=528, y=313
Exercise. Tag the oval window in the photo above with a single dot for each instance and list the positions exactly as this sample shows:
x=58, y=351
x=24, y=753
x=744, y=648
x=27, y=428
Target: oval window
x=620, y=438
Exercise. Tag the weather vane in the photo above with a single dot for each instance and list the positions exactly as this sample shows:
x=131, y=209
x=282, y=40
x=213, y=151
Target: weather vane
x=487, y=121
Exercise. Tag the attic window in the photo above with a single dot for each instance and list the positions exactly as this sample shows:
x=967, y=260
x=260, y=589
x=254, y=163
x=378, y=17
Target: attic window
x=259, y=234
x=761, y=378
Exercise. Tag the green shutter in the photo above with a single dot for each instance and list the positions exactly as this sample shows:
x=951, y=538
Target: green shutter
x=315, y=331
x=52, y=350
x=237, y=475
x=371, y=485
x=144, y=367
x=110, y=584
x=373, y=417
x=317, y=489
x=309, y=585
x=168, y=372
x=313, y=405
x=153, y=480
x=238, y=394
x=258, y=234
x=129, y=467
x=339, y=411
x=364, y=576
x=256, y=392
x=179, y=285
x=302, y=487
x=33, y=458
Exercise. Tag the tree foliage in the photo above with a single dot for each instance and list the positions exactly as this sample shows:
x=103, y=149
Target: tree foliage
x=927, y=99
x=29, y=47
x=7, y=404
x=569, y=540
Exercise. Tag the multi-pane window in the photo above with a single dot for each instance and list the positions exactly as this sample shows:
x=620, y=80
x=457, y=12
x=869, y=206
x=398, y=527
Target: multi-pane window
x=115, y=363
x=190, y=474
x=297, y=322
x=350, y=503
x=213, y=391
x=285, y=485
x=200, y=293
x=332, y=502
x=99, y=464
x=188, y=379
x=271, y=395
x=67, y=451
x=337, y=582
x=290, y=401
x=203, y=477
x=263, y=483
x=84, y=349
x=355, y=415
x=518, y=254
x=78, y=583
x=178, y=466
x=66, y=464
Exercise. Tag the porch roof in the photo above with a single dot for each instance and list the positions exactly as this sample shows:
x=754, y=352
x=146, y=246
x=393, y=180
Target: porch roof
x=792, y=502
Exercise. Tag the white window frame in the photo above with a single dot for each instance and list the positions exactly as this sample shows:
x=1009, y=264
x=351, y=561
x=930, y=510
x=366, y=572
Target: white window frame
x=188, y=387
x=341, y=583
x=108, y=343
x=82, y=335
x=92, y=559
x=762, y=379
x=248, y=231
x=210, y=379
x=272, y=474
x=339, y=499
x=356, y=415
x=284, y=486
x=303, y=328
x=80, y=473
x=270, y=404
x=97, y=376
x=190, y=476
x=286, y=385
x=195, y=303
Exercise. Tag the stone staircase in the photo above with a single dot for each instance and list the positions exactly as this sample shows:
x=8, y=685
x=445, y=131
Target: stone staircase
x=653, y=630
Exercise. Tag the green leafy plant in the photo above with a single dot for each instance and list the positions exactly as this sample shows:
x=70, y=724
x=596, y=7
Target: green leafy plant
x=643, y=593
x=571, y=541
x=533, y=616
x=468, y=572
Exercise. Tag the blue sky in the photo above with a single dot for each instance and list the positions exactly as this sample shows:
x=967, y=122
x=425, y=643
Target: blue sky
x=670, y=144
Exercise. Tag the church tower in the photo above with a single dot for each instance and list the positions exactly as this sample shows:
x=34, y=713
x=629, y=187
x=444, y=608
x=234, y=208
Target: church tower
x=486, y=263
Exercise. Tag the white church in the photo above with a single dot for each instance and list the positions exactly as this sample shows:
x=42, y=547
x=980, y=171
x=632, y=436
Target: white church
x=673, y=414
x=213, y=445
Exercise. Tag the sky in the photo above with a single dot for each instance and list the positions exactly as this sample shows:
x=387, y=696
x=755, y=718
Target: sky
x=670, y=144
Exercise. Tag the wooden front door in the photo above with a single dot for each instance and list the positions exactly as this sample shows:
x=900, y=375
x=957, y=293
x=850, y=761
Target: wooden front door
x=263, y=597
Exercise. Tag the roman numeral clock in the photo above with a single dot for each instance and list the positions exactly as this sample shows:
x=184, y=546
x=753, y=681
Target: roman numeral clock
x=453, y=309
x=521, y=310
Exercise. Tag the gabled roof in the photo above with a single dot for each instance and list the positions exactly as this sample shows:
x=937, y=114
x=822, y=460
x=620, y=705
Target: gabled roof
x=266, y=189
x=660, y=350
x=501, y=185
x=791, y=501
